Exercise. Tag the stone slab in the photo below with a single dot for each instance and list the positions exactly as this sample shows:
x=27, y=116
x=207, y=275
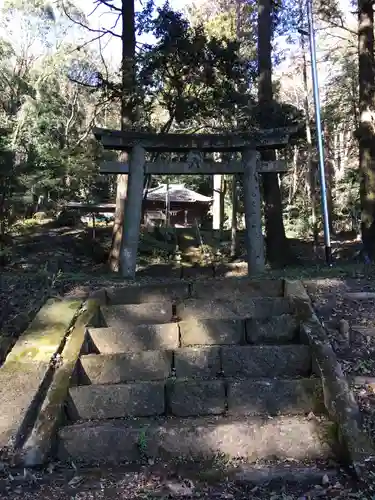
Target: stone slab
x=19, y=389
x=339, y=400
x=192, y=398
x=211, y=332
x=36, y=449
x=266, y=361
x=140, y=399
x=24, y=374
x=295, y=290
x=262, y=307
x=43, y=337
x=229, y=288
x=125, y=367
x=191, y=362
x=274, y=330
x=138, y=338
x=249, y=438
x=151, y=313
x=151, y=293
x=197, y=309
x=275, y=397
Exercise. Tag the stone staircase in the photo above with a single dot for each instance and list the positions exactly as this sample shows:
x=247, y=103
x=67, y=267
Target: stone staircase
x=191, y=371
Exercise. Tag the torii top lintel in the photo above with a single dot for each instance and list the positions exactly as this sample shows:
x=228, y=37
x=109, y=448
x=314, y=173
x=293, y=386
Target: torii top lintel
x=259, y=139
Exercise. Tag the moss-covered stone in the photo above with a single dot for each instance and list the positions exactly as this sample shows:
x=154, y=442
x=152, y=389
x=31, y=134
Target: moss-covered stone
x=43, y=337
x=25, y=373
x=36, y=449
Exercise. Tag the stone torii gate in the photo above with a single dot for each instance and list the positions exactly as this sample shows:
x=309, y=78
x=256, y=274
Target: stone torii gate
x=249, y=145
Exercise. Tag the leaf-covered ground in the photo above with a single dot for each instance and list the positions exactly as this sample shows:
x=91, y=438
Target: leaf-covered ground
x=158, y=482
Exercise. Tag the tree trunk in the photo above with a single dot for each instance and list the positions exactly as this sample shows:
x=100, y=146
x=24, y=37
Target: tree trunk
x=278, y=249
x=366, y=134
x=329, y=175
x=127, y=120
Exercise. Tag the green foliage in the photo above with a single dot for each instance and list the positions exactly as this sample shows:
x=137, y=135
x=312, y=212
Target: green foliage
x=188, y=73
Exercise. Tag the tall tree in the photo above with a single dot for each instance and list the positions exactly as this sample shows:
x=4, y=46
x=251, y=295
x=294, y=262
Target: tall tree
x=366, y=131
x=127, y=120
x=278, y=249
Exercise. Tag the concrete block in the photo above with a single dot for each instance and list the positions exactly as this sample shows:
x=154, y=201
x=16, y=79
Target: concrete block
x=125, y=367
x=137, y=338
x=274, y=330
x=139, y=399
x=211, y=331
x=200, y=362
x=137, y=314
x=196, y=397
x=266, y=361
x=275, y=397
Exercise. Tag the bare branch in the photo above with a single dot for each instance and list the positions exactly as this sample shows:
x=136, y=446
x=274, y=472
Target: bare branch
x=90, y=126
x=108, y=4
x=116, y=22
x=88, y=28
x=80, y=47
x=94, y=10
x=338, y=25
x=103, y=60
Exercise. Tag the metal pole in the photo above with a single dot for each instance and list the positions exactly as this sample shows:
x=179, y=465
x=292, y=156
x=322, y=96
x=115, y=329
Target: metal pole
x=314, y=72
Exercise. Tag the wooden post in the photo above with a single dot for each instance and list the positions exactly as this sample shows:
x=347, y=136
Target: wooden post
x=133, y=212
x=254, y=235
x=216, y=207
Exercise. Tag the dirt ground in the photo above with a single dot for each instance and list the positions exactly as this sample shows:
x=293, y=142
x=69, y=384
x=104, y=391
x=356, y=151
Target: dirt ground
x=64, y=261
x=161, y=482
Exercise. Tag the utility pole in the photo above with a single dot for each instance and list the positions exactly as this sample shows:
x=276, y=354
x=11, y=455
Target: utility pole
x=314, y=74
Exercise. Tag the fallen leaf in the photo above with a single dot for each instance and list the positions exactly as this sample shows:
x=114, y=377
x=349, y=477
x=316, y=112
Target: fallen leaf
x=75, y=481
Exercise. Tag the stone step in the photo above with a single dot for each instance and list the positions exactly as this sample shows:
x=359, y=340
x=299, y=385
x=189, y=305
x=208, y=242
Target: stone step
x=129, y=315
x=194, y=397
x=136, y=338
x=241, y=307
x=146, y=294
x=248, y=438
x=236, y=288
x=211, y=332
x=286, y=361
x=125, y=367
x=282, y=329
x=118, y=364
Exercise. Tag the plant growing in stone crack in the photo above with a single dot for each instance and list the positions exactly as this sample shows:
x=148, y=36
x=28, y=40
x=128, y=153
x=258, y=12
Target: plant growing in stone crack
x=142, y=441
